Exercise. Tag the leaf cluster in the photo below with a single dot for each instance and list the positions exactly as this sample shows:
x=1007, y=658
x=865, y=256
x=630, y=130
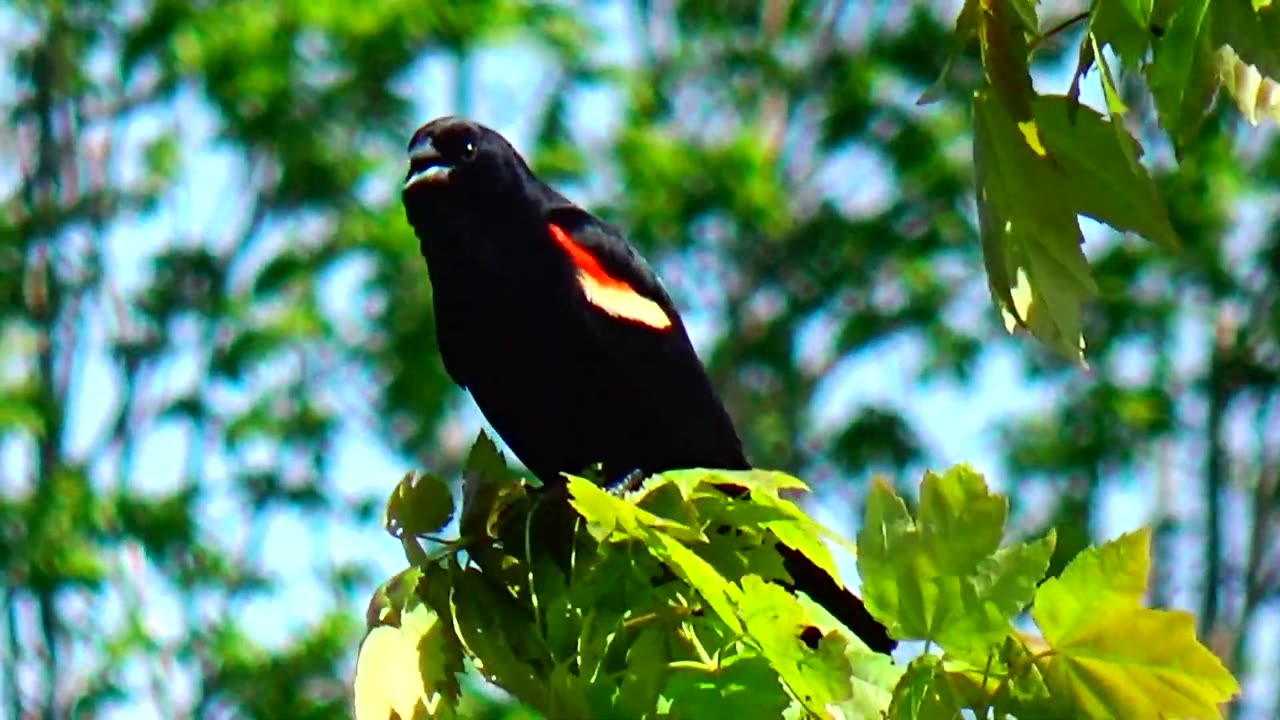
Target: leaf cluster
x=665, y=603
x=943, y=578
x=1043, y=160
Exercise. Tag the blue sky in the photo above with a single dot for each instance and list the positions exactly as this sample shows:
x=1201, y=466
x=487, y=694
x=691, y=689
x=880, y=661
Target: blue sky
x=955, y=421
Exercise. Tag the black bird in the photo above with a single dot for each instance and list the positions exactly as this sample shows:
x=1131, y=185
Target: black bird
x=564, y=336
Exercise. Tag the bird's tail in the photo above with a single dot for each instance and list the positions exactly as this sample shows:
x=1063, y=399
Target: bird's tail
x=846, y=607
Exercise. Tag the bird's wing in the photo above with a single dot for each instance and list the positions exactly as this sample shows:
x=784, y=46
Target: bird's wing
x=640, y=333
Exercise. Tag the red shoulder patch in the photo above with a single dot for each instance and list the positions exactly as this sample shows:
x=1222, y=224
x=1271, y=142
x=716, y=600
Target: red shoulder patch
x=610, y=294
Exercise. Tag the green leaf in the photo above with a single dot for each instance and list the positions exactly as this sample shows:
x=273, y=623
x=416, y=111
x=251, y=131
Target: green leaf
x=1181, y=74
x=768, y=510
x=720, y=594
x=391, y=597
x=1125, y=26
x=1002, y=36
x=742, y=686
x=874, y=678
x=499, y=633
x=914, y=593
x=19, y=415
x=1091, y=155
x=961, y=522
x=1025, y=694
x=765, y=512
x=484, y=476
x=886, y=541
x=1113, y=658
x=1037, y=272
x=1026, y=10
x=1249, y=33
x=421, y=504
x=647, y=670
x=774, y=620
x=942, y=578
x=965, y=30
x=1115, y=111
x=925, y=692
x=1008, y=579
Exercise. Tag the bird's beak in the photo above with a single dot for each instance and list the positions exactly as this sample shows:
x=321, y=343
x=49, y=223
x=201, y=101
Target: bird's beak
x=426, y=164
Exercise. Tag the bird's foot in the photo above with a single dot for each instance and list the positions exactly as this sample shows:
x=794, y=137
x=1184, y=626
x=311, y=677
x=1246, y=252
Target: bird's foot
x=629, y=483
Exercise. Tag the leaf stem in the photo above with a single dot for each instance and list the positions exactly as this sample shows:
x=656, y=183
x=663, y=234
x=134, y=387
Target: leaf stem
x=692, y=636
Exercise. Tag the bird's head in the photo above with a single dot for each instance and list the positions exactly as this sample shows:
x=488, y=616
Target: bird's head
x=459, y=166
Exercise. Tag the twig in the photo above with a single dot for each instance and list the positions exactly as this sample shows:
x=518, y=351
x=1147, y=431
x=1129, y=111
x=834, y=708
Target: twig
x=1059, y=28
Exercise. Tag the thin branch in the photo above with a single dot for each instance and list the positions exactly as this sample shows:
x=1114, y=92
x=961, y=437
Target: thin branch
x=1255, y=586
x=1214, y=473
x=13, y=653
x=1059, y=29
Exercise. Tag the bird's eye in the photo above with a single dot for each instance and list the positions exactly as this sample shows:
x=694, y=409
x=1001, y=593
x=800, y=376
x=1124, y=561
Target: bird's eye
x=469, y=150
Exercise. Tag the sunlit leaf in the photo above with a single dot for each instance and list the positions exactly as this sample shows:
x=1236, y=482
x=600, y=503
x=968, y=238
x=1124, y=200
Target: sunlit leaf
x=408, y=670
x=960, y=520
x=610, y=518
x=1256, y=96
x=1112, y=657
x=775, y=621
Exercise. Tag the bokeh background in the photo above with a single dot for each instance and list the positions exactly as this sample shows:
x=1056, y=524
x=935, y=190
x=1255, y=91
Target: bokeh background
x=217, y=353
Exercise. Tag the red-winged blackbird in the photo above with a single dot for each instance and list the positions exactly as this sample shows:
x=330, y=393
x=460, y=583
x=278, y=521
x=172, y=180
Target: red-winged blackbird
x=563, y=334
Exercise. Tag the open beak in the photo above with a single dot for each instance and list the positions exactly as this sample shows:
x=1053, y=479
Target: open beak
x=426, y=164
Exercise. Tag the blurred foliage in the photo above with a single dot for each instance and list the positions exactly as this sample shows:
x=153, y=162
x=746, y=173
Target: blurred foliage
x=201, y=251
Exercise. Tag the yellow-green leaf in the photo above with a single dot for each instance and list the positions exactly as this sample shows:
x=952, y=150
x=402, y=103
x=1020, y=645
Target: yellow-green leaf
x=613, y=519
x=774, y=620
x=957, y=506
x=1138, y=662
x=1112, y=576
x=722, y=595
x=1109, y=656
x=408, y=670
